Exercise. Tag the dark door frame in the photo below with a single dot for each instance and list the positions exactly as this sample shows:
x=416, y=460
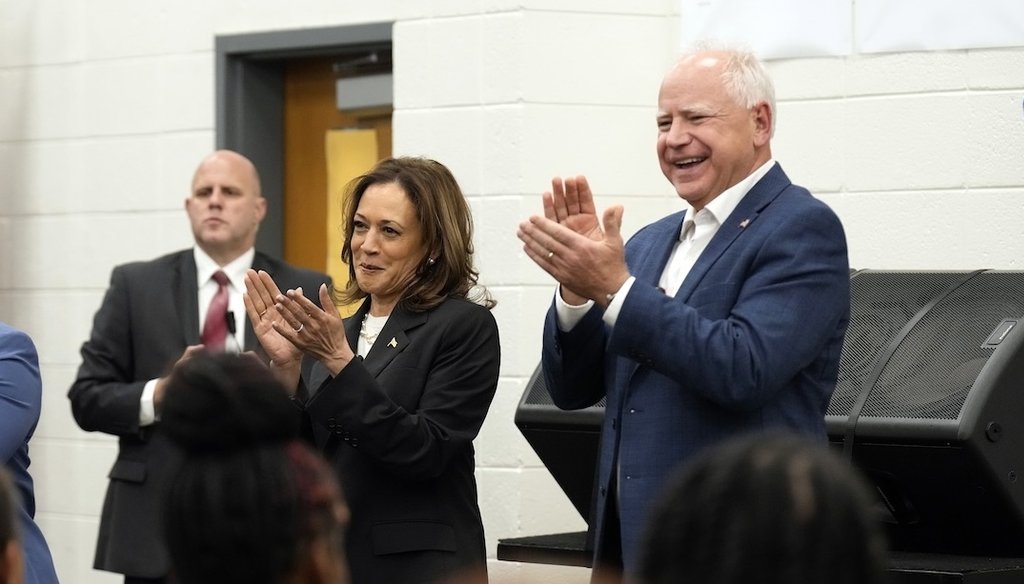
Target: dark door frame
x=250, y=99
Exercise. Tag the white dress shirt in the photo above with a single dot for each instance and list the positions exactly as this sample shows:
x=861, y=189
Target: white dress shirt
x=206, y=288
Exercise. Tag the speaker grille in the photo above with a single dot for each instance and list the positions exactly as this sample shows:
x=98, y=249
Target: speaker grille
x=537, y=391
x=882, y=303
x=934, y=366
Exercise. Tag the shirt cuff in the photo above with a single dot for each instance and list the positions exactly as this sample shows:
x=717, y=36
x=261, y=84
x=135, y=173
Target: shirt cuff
x=569, y=315
x=147, y=409
x=611, y=313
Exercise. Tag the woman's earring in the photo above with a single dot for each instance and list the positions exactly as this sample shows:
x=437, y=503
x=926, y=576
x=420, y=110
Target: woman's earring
x=430, y=261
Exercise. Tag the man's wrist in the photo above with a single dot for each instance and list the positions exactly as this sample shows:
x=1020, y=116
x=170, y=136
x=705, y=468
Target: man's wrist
x=572, y=298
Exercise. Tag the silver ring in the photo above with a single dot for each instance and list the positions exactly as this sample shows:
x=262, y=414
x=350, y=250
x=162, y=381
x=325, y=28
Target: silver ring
x=551, y=254
x=262, y=313
x=301, y=326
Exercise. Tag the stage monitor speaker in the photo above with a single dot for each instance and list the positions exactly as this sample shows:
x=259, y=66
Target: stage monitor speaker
x=566, y=441
x=930, y=405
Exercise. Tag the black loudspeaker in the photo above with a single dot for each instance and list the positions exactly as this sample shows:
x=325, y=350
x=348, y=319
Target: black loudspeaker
x=930, y=405
x=566, y=441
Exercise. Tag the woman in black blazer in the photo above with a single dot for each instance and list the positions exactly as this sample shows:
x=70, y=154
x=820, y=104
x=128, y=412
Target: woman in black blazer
x=395, y=394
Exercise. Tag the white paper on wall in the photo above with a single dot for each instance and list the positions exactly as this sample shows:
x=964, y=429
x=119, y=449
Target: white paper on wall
x=775, y=29
x=936, y=25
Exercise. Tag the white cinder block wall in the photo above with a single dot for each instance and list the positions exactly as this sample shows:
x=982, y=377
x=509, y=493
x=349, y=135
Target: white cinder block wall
x=106, y=106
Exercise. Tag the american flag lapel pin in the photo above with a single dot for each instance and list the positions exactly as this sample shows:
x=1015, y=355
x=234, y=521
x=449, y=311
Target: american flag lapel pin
x=393, y=343
x=744, y=223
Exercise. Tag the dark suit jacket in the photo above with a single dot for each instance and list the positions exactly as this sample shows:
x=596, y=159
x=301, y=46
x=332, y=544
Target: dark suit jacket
x=750, y=341
x=399, y=428
x=21, y=398
x=149, y=315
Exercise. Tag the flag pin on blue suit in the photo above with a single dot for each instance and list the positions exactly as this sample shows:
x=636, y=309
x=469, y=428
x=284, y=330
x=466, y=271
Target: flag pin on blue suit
x=744, y=223
x=393, y=343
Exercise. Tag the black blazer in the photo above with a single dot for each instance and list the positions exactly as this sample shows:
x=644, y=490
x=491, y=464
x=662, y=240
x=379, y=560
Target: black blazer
x=399, y=428
x=149, y=315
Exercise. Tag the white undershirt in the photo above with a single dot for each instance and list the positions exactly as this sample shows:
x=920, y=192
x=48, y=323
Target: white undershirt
x=368, y=331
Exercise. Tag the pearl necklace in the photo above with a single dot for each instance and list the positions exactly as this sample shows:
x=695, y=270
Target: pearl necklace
x=371, y=327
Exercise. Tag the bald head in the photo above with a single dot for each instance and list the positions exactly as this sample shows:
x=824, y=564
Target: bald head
x=244, y=168
x=226, y=205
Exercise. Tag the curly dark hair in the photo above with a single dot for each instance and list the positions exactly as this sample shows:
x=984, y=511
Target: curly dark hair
x=447, y=226
x=249, y=498
x=768, y=508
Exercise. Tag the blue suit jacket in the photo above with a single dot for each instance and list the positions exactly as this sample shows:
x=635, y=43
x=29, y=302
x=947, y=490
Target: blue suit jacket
x=20, y=401
x=750, y=341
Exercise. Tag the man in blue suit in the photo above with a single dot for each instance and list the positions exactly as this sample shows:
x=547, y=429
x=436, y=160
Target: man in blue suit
x=21, y=399
x=724, y=318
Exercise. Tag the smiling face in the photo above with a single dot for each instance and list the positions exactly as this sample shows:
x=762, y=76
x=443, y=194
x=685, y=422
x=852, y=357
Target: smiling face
x=226, y=206
x=707, y=142
x=387, y=244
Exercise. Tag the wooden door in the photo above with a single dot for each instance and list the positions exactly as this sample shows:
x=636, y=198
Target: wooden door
x=310, y=113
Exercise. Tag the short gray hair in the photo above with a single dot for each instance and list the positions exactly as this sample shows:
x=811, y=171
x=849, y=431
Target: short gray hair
x=743, y=75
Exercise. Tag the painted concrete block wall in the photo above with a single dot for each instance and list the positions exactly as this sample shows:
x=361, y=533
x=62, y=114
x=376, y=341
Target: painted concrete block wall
x=919, y=153
x=106, y=106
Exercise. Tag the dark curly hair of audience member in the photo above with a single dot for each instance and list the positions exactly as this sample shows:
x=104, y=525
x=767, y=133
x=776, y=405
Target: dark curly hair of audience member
x=251, y=503
x=764, y=508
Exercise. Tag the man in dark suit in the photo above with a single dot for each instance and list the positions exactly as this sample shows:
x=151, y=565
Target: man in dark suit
x=155, y=314
x=724, y=318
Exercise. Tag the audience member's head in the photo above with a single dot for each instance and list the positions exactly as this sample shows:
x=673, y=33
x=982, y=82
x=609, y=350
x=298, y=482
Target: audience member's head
x=11, y=569
x=764, y=508
x=251, y=503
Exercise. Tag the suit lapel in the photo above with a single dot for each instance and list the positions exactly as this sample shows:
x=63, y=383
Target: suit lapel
x=354, y=323
x=393, y=339
x=650, y=268
x=745, y=213
x=187, y=297
x=317, y=373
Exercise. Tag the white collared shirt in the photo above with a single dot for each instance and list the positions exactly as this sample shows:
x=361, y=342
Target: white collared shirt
x=697, y=230
x=206, y=287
